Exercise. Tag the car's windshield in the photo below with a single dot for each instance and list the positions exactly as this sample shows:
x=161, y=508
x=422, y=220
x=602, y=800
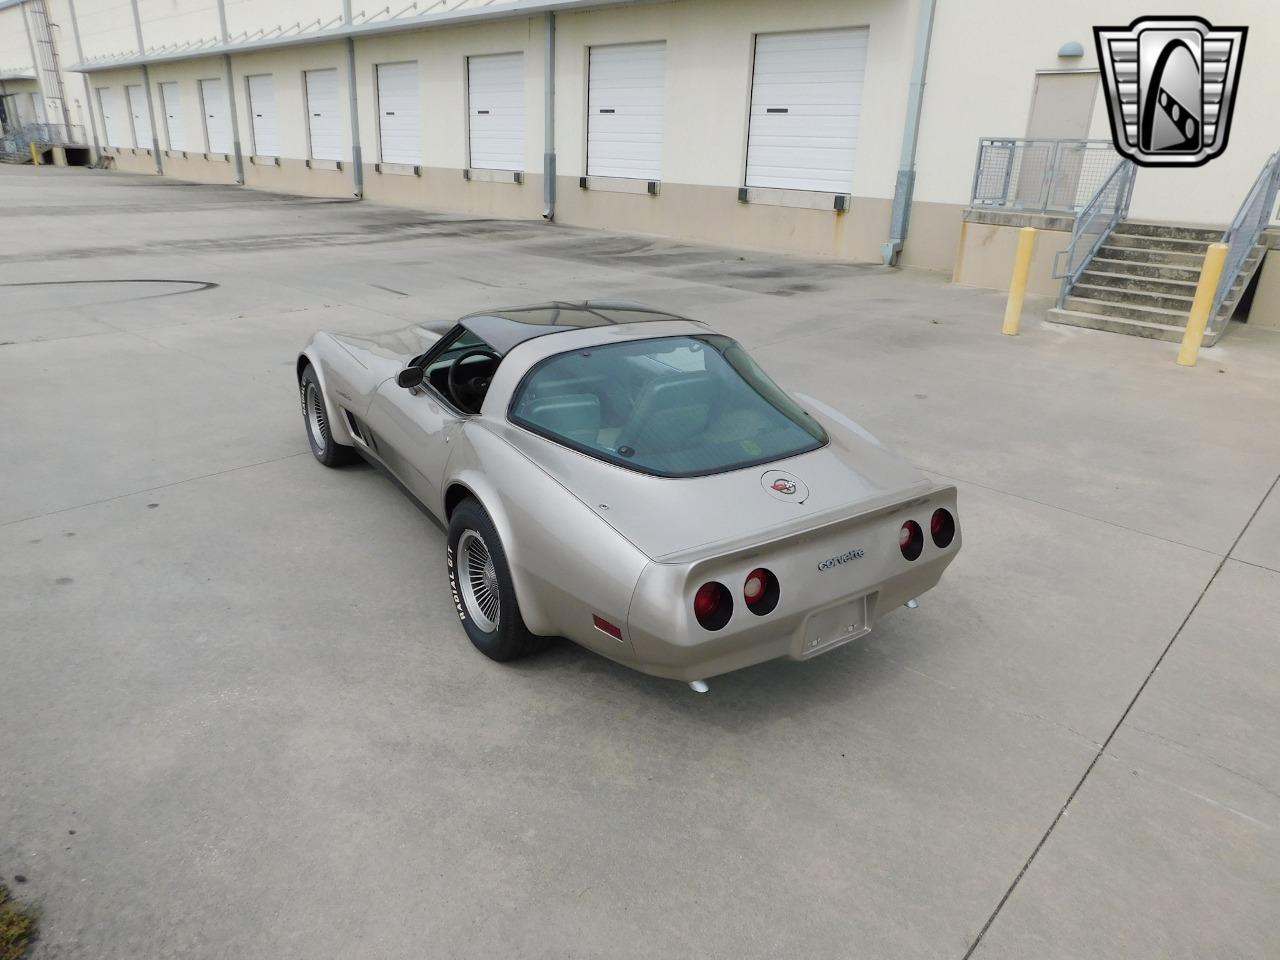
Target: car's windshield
x=673, y=406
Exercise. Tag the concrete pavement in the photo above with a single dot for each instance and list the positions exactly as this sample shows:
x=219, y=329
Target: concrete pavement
x=237, y=677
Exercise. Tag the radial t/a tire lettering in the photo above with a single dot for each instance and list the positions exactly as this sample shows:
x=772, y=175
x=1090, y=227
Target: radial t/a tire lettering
x=482, y=591
x=315, y=418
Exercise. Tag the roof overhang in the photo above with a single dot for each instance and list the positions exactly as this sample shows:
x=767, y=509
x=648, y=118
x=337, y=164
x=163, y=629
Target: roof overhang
x=21, y=73
x=324, y=33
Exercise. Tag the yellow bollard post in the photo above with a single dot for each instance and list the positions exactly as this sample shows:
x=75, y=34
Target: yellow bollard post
x=35, y=155
x=1018, y=282
x=1206, y=289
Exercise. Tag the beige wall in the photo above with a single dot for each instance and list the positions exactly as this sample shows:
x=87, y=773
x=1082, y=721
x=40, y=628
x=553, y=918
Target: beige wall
x=982, y=66
x=709, y=47
x=442, y=78
x=15, y=51
x=249, y=16
x=704, y=139
x=1265, y=311
x=980, y=83
x=986, y=253
x=20, y=91
x=288, y=65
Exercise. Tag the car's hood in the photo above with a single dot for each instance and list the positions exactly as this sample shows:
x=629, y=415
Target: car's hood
x=394, y=346
x=677, y=519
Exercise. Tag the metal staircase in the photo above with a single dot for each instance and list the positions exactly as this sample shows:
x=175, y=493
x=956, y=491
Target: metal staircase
x=1140, y=278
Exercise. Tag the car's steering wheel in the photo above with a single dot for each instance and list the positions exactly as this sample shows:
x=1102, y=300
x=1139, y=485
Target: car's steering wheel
x=468, y=392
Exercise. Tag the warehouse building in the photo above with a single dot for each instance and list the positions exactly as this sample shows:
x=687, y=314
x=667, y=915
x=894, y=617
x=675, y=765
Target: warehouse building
x=842, y=128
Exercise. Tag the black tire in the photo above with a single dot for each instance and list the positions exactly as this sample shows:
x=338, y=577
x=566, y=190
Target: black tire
x=507, y=638
x=316, y=422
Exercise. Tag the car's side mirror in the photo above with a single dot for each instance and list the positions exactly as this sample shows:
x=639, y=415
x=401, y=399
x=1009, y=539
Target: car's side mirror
x=410, y=377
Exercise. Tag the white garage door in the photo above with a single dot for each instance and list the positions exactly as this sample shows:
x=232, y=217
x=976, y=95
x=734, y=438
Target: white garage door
x=171, y=107
x=806, y=99
x=324, y=125
x=137, y=98
x=495, y=95
x=115, y=122
x=626, y=92
x=262, y=110
x=217, y=115
x=399, y=113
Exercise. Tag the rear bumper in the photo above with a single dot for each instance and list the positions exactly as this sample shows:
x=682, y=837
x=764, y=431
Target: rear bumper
x=700, y=654
x=668, y=641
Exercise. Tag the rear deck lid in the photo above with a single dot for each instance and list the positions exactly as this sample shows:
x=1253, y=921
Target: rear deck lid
x=665, y=516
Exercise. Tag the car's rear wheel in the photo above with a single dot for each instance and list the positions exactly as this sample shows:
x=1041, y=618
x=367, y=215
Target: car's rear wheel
x=316, y=417
x=483, y=594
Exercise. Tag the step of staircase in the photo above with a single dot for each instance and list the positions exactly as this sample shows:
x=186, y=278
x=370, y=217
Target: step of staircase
x=1205, y=234
x=1111, y=251
x=1138, y=268
x=1134, y=328
x=1143, y=284
x=1132, y=297
x=1127, y=310
x=1146, y=242
x=1129, y=281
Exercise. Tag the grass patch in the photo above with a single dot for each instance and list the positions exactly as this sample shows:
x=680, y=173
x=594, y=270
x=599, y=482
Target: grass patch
x=17, y=928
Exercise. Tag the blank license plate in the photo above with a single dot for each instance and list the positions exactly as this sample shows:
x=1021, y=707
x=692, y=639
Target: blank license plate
x=829, y=628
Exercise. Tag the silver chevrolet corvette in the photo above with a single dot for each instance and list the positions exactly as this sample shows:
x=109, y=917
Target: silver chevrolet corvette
x=632, y=480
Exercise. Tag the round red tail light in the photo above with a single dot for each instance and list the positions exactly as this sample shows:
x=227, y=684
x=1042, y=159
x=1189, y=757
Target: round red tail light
x=911, y=540
x=712, y=605
x=942, y=526
x=760, y=591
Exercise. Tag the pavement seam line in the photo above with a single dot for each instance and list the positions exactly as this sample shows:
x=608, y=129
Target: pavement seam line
x=163, y=486
x=1086, y=516
x=1116, y=729
x=1256, y=566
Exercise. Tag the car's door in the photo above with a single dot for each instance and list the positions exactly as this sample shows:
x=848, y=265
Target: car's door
x=414, y=427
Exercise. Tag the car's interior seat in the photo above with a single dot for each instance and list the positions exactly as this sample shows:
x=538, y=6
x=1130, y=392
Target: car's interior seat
x=575, y=416
x=544, y=386
x=669, y=414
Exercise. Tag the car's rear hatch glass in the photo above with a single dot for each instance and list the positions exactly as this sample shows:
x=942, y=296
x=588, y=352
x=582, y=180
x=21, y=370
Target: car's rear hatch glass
x=686, y=406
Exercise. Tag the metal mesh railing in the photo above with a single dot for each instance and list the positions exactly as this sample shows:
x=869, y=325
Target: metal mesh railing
x=17, y=143
x=1242, y=236
x=1106, y=208
x=1040, y=175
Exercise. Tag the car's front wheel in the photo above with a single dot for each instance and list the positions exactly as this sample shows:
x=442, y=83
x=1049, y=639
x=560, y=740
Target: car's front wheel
x=316, y=417
x=480, y=580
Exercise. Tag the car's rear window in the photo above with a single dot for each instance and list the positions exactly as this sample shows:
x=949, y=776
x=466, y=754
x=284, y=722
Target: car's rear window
x=672, y=406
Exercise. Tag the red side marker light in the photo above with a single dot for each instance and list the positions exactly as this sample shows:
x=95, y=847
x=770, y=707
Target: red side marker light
x=604, y=626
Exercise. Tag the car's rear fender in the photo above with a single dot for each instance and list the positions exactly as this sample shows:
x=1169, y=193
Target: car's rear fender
x=568, y=565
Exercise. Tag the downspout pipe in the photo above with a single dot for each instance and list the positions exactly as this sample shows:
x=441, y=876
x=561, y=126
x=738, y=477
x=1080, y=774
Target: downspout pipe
x=549, y=119
x=88, y=93
x=146, y=85
x=231, y=95
x=357, y=155
x=905, y=186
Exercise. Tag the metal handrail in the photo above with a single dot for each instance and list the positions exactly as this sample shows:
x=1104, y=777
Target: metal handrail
x=1242, y=236
x=1094, y=224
